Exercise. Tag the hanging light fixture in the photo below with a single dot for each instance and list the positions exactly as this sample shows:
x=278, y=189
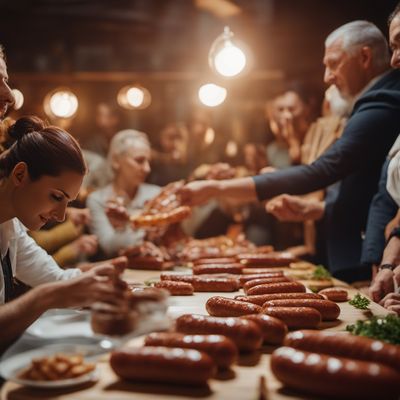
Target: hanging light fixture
x=61, y=103
x=212, y=95
x=225, y=56
x=134, y=97
x=18, y=99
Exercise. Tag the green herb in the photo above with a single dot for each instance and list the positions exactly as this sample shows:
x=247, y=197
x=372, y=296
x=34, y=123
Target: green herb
x=321, y=273
x=360, y=302
x=382, y=328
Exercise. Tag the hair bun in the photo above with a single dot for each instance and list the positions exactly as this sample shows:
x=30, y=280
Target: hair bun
x=26, y=125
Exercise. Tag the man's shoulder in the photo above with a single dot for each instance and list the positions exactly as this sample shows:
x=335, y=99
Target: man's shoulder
x=385, y=93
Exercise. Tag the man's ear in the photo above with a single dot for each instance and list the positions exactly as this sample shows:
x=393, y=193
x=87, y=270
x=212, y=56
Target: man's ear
x=366, y=57
x=19, y=174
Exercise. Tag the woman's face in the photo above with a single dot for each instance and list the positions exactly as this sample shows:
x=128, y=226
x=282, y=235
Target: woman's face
x=133, y=165
x=36, y=202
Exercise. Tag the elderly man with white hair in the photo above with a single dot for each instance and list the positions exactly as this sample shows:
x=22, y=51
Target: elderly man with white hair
x=356, y=61
x=129, y=159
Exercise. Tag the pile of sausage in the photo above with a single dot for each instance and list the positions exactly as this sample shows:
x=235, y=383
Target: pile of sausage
x=339, y=365
x=164, y=209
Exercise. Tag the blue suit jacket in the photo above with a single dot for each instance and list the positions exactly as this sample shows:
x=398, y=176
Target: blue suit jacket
x=355, y=160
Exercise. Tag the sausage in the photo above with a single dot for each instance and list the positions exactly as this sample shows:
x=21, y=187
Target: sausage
x=161, y=218
x=205, y=284
x=328, y=309
x=218, y=260
x=275, y=259
x=163, y=364
x=219, y=306
x=202, y=269
x=220, y=348
x=273, y=329
x=295, y=317
x=245, y=334
x=338, y=377
x=249, y=277
x=176, y=288
x=346, y=345
x=281, y=287
x=260, y=299
x=334, y=294
x=262, y=281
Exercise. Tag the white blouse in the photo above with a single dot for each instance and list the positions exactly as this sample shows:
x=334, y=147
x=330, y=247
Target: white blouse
x=30, y=263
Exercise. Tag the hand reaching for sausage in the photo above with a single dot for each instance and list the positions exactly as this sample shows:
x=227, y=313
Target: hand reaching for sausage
x=295, y=209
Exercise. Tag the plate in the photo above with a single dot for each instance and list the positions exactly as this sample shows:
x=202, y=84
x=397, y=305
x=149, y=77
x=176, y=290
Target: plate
x=11, y=367
x=61, y=323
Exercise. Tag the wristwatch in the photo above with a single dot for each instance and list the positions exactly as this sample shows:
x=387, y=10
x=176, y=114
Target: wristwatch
x=387, y=266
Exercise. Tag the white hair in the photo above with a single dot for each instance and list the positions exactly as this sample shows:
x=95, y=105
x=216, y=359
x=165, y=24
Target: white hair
x=127, y=139
x=358, y=34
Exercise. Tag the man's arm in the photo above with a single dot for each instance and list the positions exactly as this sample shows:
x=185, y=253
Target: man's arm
x=362, y=141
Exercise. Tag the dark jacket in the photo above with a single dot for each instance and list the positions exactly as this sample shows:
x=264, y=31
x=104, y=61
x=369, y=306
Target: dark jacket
x=355, y=160
x=382, y=210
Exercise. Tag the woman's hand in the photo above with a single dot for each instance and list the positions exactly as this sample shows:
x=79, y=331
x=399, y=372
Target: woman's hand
x=78, y=216
x=86, y=245
x=101, y=283
x=117, y=215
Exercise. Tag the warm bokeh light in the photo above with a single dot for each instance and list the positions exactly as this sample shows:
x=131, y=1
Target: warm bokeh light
x=230, y=60
x=134, y=97
x=212, y=95
x=209, y=136
x=225, y=57
x=231, y=148
x=61, y=103
x=19, y=99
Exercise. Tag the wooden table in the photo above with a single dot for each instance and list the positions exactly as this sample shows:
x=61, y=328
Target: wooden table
x=242, y=383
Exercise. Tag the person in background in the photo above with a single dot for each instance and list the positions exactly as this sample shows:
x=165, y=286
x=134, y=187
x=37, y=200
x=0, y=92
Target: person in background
x=357, y=62
x=66, y=242
x=129, y=158
x=289, y=115
x=170, y=163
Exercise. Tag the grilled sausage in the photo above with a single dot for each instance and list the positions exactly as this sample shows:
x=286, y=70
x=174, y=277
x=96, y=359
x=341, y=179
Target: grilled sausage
x=281, y=287
x=249, y=277
x=263, y=281
x=346, y=345
x=162, y=364
x=202, y=269
x=218, y=260
x=219, y=306
x=273, y=329
x=205, y=284
x=245, y=334
x=334, y=294
x=262, y=298
x=220, y=348
x=328, y=309
x=274, y=259
x=176, y=288
x=337, y=377
x=295, y=317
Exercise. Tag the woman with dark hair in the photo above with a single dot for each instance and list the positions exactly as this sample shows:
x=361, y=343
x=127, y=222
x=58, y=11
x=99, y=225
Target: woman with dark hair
x=39, y=174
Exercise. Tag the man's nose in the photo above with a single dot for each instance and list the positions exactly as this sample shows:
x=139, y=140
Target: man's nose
x=329, y=77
